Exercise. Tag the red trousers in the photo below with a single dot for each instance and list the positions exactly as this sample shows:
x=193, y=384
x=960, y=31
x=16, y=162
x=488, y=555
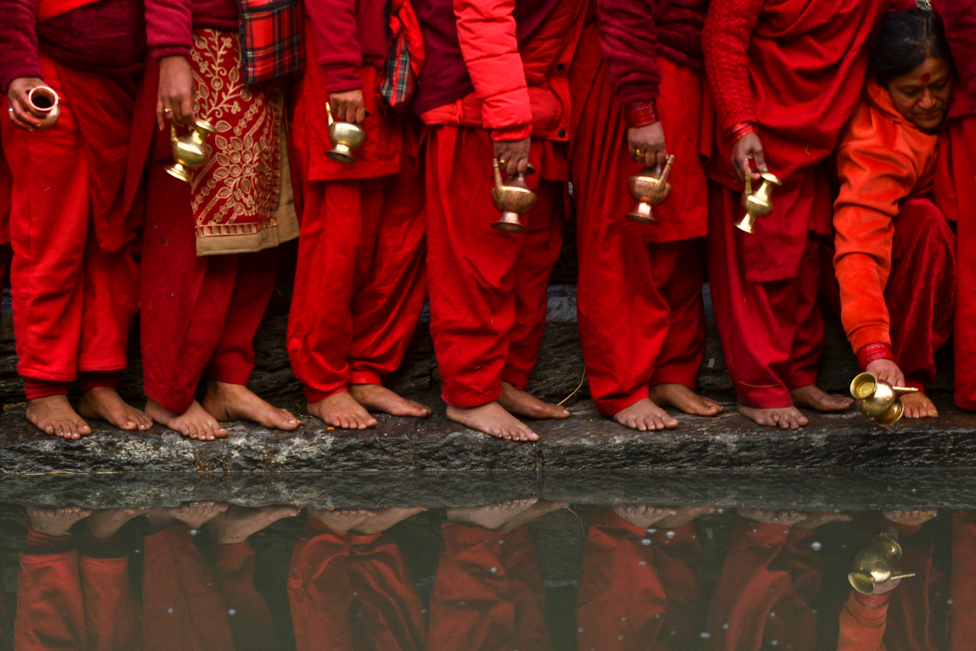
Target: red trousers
x=360, y=286
x=199, y=314
x=921, y=289
x=772, y=332
x=73, y=301
x=487, y=288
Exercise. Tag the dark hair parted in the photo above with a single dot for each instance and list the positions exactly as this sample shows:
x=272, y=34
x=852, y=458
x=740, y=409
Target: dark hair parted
x=903, y=40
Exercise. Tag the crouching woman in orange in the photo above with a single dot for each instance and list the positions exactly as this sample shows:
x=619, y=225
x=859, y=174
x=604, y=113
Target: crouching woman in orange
x=895, y=258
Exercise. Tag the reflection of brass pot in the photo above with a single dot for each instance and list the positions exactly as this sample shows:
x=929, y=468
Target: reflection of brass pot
x=874, y=564
x=758, y=203
x=189, y=151
x=649, y=188
x=513, y=199
x=877, y=399
x=345, y=137
x=44, y=100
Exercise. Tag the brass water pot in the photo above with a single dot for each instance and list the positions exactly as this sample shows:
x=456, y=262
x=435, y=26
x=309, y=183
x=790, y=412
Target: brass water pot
x=878, y=400
x=345, y=137
x=512, y=199
x=758, y=203
x=45, y=100
x=874, y=564
x=189, y=151
x=649, y=188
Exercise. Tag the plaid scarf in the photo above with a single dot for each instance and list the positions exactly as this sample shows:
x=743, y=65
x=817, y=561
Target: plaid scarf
x=271, y=39
x=405, y=58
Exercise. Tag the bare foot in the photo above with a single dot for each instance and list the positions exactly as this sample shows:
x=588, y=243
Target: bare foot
x=105, y=523
x=683, y=515
x=643, y=516
x=814, y=397
x=340, y=519
x=193, y=514
x=55, y=415
x=815, y=520
x=238, y=523
x=766, y=516
x=105, y=403
x=782, y=417
x=376, y=397
x=909, y=518
x=492, y=516
x=533, y=513
x=196, y=423
x=521, y=403
x=684, y=399
x=494, y=420
x=919, y=405
x=55, y=522
x=342, y=410
x=227, y=402
x=386, y=518
x=645, y=416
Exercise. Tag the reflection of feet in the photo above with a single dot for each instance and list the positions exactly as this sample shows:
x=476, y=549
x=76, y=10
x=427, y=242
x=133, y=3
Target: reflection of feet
x=194, y=514
x=493, y=516
x=105, y=523
x=55, y=522
x=522, y=403
x=341, y=410
x=494, y=420
x=340, y=519
x=814, y=397
x=55, y=415
x=919, y=405
x=195, y=423
x=227, y=402
x=105, y=403
x=767, y=516
x=532, y=514
x=643, y=516
x=645, y=416
x=909, y=518
x=815, y=520
x=238, y=523
x=782, y=417
x=684, y=399
x=376, y=397
x=683, y=515
x=386, y=518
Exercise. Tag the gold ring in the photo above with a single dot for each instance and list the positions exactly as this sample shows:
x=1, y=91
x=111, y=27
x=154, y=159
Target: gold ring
x=501, y=161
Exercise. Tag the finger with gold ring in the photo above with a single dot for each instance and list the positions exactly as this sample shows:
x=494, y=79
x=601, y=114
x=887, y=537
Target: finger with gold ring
x=638, y=155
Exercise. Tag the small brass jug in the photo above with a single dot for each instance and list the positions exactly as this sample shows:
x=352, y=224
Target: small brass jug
x=345, y=137
x=878, y=400
x=874, y=564
x=189, y=151
x=45, y=100
x=512, y=199
x=649, y=188
x=758, y=203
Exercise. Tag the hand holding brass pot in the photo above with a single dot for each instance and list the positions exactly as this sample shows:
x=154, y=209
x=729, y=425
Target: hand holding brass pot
x=189, y=151
x=874, y=564
x=513, y=199
x=649, y=188
x=878, y=400
x=758, y=203
x=345, y=137
x=44, y=99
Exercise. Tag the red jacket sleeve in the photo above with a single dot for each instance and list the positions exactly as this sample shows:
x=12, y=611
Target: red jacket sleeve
x=725, y=44
x=628, y=40
x=337, y=43
x=486, y=33
x=862, y=623
x=169, y=27
x=18, y=41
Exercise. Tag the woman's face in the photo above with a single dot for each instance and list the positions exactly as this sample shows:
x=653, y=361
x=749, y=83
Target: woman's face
x=922, y=95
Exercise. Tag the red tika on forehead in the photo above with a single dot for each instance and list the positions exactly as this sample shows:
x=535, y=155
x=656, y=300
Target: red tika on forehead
x=926, y=77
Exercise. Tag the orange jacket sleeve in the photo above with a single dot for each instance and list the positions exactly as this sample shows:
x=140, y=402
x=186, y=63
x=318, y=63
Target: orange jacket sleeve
x=862, y=623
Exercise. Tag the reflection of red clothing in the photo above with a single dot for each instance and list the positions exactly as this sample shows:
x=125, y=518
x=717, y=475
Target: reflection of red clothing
x=66, y=600
x=488, y=594
x=769, y=580
x=862, y=622
x=962, y=589
x=638, y=590
x=353, y=592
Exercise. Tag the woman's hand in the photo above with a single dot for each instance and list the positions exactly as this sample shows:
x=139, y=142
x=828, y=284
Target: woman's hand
x=348, y=106
x=23, y=115
x=649, y=141
x=176, y=92
x=748, y=148
x=513, y=155
x=887, y=371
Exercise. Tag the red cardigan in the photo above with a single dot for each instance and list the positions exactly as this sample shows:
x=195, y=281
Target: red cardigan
x=349, y=34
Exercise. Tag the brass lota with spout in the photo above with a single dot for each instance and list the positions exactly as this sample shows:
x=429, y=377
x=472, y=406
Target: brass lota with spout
x=345, y=137
x=758, y=203
x=512, y=199
x=189, y=151
x=878, y=400
x=649, y=188
x=874, y=564
x=45, y=100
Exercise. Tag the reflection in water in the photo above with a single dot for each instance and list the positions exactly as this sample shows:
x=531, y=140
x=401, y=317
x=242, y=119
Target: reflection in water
x=526, y=574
